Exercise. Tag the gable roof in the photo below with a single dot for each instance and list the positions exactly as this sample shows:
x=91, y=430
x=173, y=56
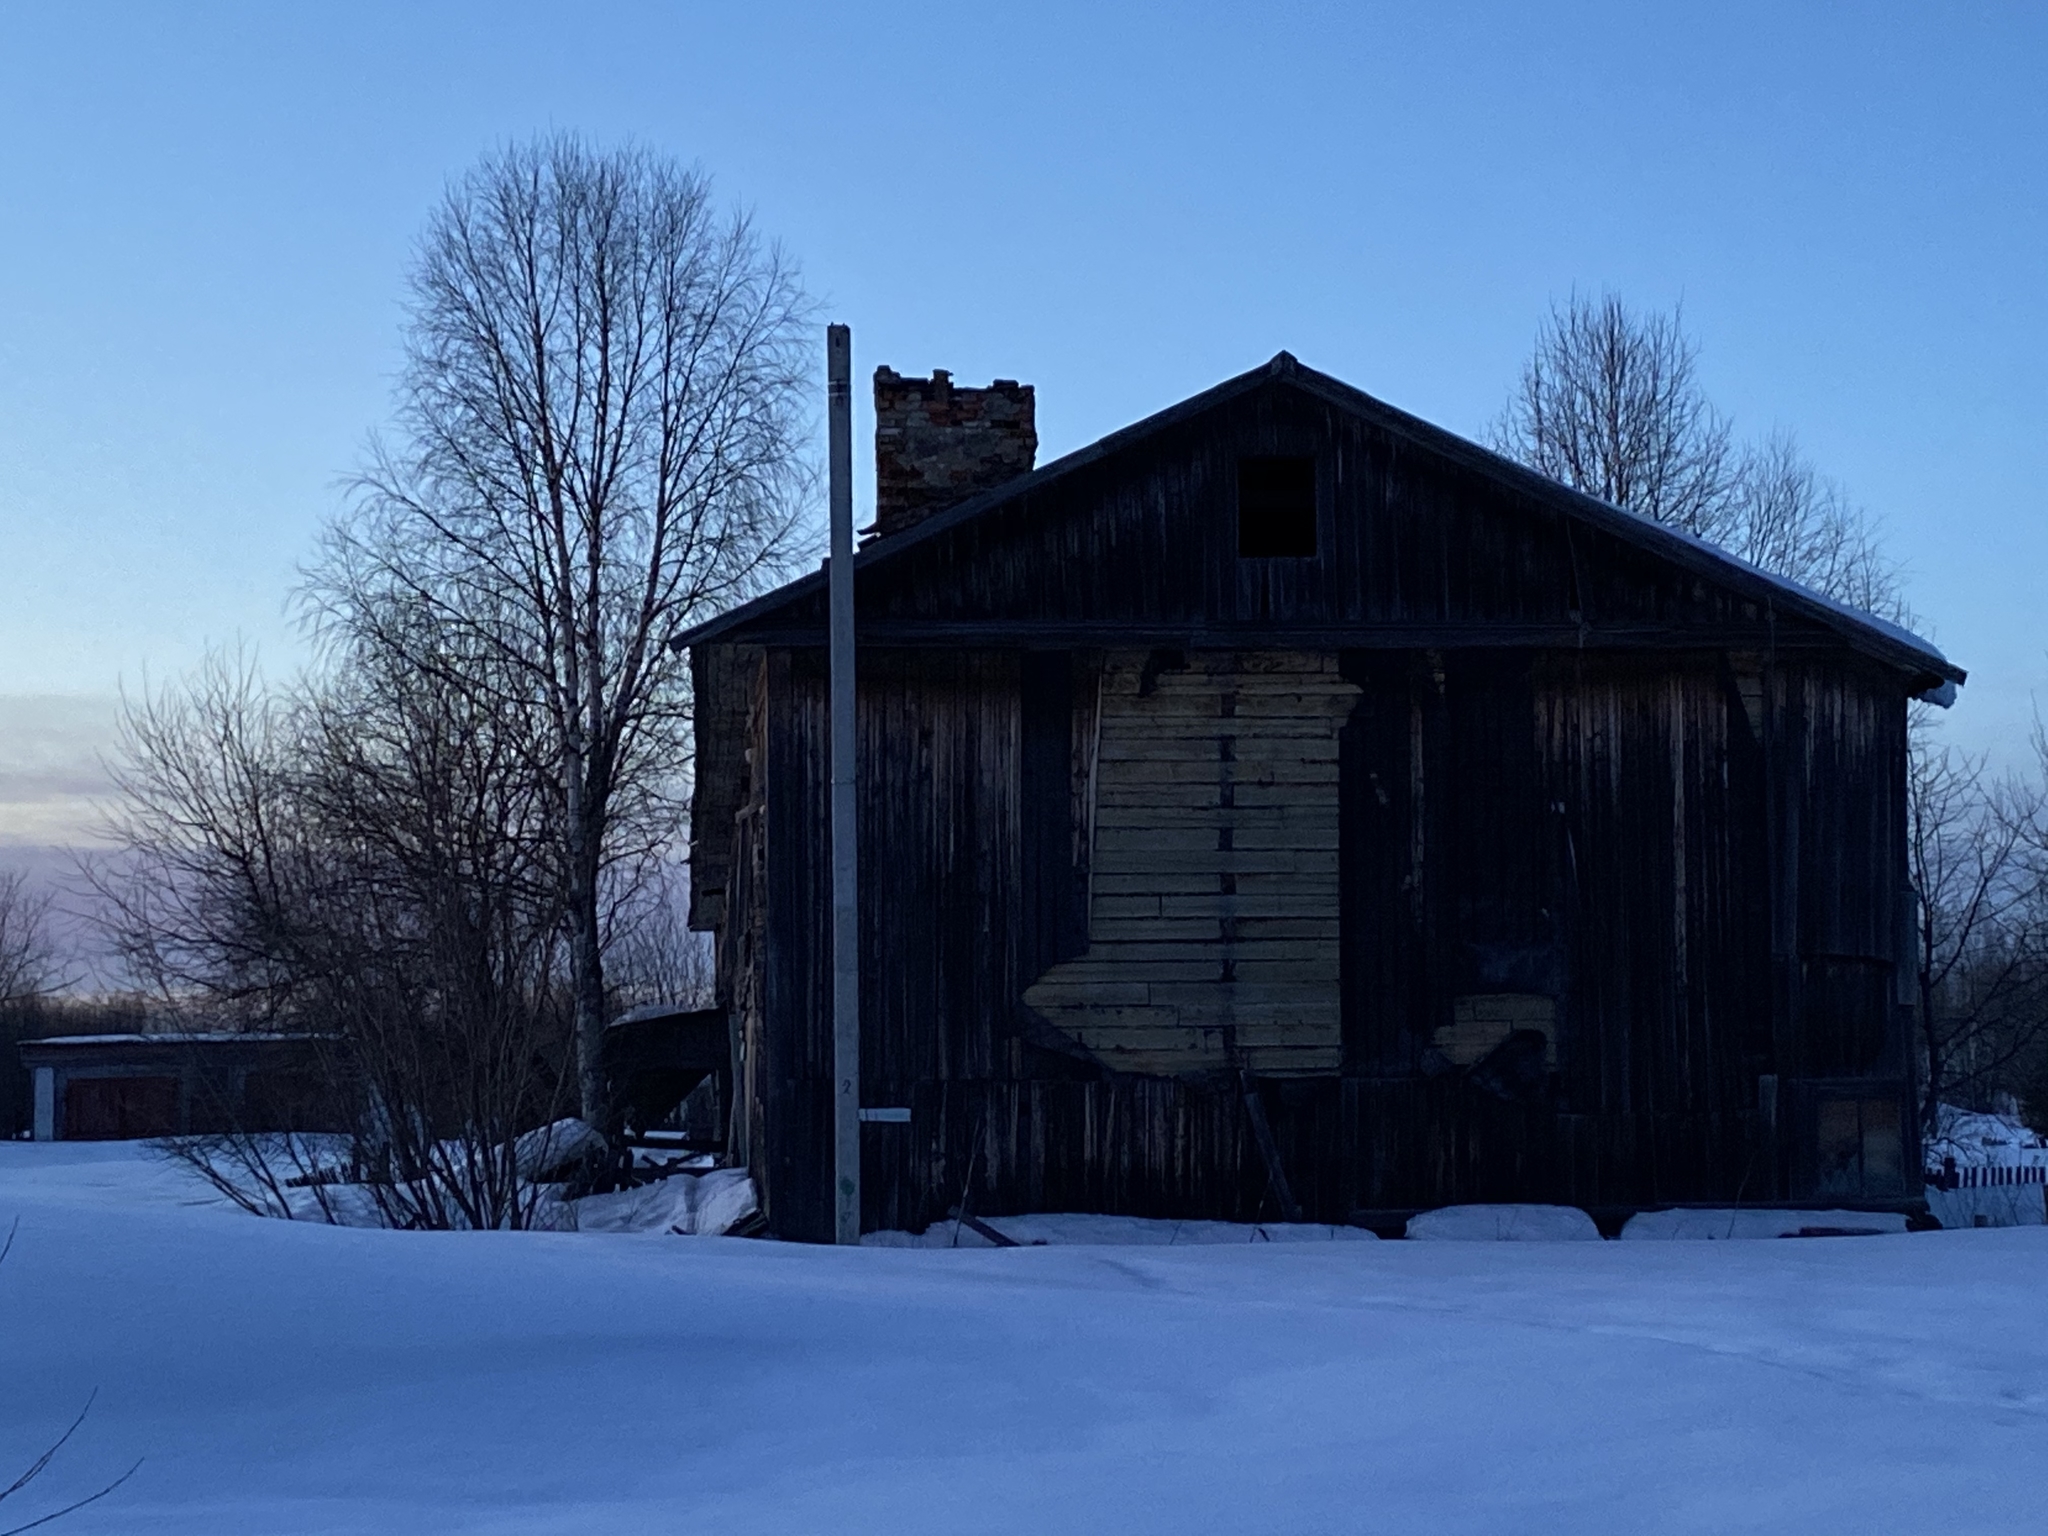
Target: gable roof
x=1865, y=632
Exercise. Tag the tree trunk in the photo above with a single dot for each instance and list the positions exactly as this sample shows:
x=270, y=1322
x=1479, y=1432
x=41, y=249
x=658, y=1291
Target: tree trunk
x=586, y=973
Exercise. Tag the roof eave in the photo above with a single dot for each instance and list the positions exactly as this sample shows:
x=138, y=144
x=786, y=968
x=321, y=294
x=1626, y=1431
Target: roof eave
x=1933, y=672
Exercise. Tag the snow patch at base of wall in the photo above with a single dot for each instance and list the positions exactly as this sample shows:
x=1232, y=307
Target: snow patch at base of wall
x=1710, y=1226
x=1504, y=1224
x=1059, y=1230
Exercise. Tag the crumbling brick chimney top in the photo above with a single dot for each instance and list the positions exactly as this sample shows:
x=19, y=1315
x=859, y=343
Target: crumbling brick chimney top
x=936, y=444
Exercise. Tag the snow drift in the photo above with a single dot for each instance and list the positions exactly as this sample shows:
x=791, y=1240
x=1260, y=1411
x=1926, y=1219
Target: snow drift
x=280, y=1377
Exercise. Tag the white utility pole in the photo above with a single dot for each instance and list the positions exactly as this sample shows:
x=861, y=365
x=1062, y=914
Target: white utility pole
x=845, y=869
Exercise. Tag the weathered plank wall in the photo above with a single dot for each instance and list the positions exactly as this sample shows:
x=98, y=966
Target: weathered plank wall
x=1575, y=845
x=742, y=905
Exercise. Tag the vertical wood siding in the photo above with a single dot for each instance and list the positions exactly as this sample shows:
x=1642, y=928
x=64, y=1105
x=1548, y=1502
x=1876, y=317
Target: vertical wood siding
x=1575, y=843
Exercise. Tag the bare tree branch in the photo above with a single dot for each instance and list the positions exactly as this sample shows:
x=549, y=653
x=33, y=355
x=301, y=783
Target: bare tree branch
x=41, y=1464
x=1610, y=403
x=28, y=958
x=366, y=860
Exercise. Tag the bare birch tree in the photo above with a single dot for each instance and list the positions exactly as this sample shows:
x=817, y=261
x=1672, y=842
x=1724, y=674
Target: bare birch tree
x=601, y=438
x=1610, y=403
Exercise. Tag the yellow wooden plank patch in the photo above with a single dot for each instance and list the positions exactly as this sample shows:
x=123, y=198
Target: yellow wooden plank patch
x=1192, y=942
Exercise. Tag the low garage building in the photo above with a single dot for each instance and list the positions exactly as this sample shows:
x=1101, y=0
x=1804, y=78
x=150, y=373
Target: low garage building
x=126, y=1087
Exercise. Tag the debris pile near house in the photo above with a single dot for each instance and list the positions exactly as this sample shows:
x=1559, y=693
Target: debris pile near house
x=716, y=1203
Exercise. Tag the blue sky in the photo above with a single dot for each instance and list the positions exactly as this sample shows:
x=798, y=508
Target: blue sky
x=206, y=212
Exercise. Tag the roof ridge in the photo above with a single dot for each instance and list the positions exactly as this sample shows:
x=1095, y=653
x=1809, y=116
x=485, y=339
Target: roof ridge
x=1660, y=539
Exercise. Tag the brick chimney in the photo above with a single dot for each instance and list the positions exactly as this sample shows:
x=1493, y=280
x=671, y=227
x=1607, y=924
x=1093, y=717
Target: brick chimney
x=936, y=445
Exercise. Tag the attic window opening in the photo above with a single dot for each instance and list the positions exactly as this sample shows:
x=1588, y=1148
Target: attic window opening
x=1276, y=508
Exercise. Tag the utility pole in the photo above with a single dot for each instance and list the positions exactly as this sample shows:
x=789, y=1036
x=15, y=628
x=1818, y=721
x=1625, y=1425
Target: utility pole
x=845, y=869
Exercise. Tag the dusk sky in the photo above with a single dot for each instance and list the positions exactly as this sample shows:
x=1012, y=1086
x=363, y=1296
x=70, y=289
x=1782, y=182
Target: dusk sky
x=206, y=214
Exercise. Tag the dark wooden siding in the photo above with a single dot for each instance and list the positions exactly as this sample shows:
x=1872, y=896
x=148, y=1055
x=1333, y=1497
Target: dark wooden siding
x=1589, y=834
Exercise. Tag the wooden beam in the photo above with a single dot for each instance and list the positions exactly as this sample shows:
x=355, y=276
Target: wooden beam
x=1199, y=634
x=1262, y=1133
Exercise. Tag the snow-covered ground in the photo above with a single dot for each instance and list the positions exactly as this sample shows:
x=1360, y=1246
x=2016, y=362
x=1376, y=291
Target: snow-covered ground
x=281, y=1377
x=1977, y=1139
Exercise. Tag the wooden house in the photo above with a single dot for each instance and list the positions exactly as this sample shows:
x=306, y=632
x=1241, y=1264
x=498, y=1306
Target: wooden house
x=1286, y=805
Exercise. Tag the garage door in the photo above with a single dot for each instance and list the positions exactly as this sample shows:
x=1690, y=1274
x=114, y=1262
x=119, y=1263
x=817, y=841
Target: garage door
x=120, y=1108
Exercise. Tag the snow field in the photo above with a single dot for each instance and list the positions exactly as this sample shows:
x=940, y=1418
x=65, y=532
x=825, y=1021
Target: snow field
x=282, y=1377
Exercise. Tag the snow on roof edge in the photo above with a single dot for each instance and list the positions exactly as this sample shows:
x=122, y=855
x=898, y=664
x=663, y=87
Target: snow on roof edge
x=198, y=1037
